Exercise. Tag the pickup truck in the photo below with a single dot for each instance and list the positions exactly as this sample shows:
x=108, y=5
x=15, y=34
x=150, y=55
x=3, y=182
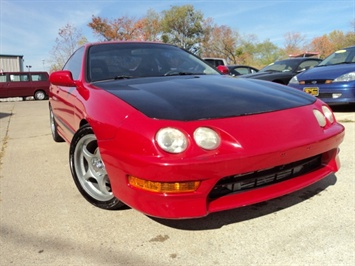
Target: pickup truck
x=219, y=63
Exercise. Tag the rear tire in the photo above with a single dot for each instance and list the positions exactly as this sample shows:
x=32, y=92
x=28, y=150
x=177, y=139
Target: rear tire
x=88, y=170
x=53, y=124
x=40, y=95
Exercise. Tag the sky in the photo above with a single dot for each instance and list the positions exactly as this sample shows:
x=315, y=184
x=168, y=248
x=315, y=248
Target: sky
x=30, y=27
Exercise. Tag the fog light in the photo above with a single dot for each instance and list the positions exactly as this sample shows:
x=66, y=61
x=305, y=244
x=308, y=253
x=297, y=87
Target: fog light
x=163, y=187
x=336, y=95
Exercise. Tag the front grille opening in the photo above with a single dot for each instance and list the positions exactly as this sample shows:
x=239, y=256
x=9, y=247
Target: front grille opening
x=326, y=95
x=241, y=182
x=315, y=82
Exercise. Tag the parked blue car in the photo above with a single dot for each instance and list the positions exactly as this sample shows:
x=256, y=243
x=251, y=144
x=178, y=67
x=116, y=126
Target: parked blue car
x=333, y=80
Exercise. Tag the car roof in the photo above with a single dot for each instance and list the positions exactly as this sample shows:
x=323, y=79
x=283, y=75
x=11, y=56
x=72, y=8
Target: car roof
x=239, y=66
x=300, y=59
x=22, y=72
x=125, y=42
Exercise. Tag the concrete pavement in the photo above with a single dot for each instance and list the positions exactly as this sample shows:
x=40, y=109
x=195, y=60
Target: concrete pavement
x=45, y=221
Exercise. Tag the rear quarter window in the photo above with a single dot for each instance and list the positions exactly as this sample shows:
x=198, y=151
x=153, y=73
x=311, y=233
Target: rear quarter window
x=39, y=77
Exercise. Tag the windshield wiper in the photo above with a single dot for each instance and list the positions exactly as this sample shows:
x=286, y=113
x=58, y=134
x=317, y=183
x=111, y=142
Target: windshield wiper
x=270, y=70
x=181, y=73
x=123, y=77
x=345, y=63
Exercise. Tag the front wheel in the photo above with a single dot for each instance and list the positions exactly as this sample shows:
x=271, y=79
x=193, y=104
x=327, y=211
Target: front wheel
x=88, y=170
x=54, y=128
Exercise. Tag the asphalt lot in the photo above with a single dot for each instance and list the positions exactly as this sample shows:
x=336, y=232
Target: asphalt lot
x=45, y=221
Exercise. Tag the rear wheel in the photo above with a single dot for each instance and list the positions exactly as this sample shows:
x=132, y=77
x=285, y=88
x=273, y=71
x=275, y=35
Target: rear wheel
x=88, y=170
x=39, y=95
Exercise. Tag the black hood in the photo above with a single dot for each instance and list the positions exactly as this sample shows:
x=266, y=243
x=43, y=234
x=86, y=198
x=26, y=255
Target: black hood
x=188, y=98
x=267, y=75
x=255, y=75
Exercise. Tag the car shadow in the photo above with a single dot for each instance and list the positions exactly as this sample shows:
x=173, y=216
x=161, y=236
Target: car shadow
x=343, y=108
x=220, y=219
x=3, y=115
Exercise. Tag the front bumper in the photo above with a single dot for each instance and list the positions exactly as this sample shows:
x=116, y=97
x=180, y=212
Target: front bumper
x=200, y=203
x=256, y=143
x=333, y=93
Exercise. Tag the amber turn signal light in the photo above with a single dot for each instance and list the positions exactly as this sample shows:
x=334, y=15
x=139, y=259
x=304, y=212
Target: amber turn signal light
x=163, y=187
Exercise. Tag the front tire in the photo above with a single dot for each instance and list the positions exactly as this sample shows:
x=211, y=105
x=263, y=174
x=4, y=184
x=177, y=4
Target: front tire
x=88, y=170
x=54, y=128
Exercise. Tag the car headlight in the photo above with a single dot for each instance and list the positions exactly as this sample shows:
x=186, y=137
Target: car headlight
x=294, y=80
x=328, y=113
x=346, y=77
x=207, y=138
x=320, y=117
x=323, y=116
x=171, y=140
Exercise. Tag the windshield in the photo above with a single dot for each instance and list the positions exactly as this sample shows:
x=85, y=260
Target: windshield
x=281, y=66
x=344, y=56
x=133, y=60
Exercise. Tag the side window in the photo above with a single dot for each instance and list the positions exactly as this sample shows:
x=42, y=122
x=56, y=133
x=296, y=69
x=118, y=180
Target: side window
x=219, y=63
x=243, y=70
x=307, y=64
x=19, y=77
x=351, y=56
x=74, y=63
x=2, y=78
x=234, y=71
x=38, y=77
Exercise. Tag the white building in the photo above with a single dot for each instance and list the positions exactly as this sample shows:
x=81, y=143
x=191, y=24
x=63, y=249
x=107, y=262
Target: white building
x=11, y=63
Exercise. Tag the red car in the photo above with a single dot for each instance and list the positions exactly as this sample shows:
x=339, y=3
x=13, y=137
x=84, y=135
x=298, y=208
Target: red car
x=154, y=127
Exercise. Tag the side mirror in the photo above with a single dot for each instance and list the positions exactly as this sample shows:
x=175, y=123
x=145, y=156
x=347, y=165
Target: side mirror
x=62, y=78
x=223, y=69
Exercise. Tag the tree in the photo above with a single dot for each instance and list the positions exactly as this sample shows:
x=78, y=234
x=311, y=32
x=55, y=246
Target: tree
x=182, y=26
x=220, y=41
x=70, y=39
x=251, y=52
x=294, y=43
x=186, y=27
x=350, y=38
x=120, y=29
x=322, y=45
x=335, y=40
x=149, y=27
x=245, y=49
x=341, y=40
x=265, y=53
